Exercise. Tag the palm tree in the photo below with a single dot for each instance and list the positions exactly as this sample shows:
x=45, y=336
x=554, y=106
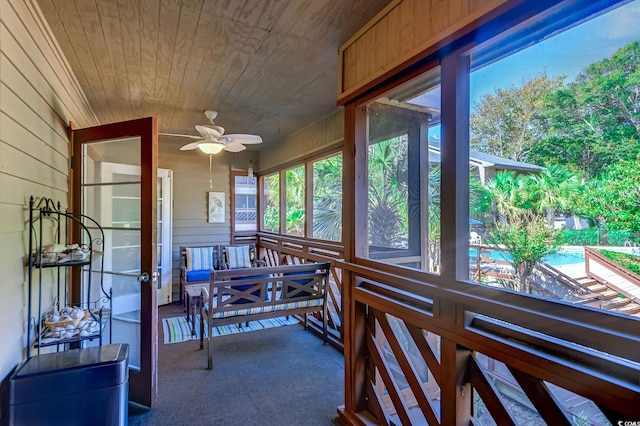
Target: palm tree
x=552, y=191
x=327, y=198
x=506, y=193
x=272, y=204
x=295, y=192
x=521, y=226
x=388, y=193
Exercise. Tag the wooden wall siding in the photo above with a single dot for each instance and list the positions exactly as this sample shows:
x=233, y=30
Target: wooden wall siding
x=39, y=96
x=309, y=140
x=190, y=199
x=476, y=331
x=404, y=29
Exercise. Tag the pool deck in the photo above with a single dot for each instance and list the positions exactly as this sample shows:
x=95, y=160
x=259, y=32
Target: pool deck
x=573, y=270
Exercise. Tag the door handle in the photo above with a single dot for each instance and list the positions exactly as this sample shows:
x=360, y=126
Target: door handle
x=144, y=277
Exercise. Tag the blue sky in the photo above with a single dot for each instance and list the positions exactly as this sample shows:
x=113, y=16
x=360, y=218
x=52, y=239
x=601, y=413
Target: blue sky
x=566, y=53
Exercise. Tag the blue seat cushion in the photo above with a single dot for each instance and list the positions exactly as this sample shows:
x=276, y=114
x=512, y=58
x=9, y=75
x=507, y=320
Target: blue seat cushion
x=302, y=282
x=248, y=286
x=202, y=275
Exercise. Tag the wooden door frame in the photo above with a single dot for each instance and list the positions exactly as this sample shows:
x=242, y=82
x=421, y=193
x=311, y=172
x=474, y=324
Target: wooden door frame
x=147, y=389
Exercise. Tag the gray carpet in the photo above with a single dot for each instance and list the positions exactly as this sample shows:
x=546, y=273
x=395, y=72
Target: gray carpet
x=279, y=376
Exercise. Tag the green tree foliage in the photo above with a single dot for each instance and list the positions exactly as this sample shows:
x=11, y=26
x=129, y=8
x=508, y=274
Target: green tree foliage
x=595, y=121
x=327, y=198
x=629, y=261
x=510, y=122
x=555, y=190
x=479, y=198
x=614, y=198
x=295, y=192
x=272, y=198
x=525, y=234
x=524, y=205
x=505, y=192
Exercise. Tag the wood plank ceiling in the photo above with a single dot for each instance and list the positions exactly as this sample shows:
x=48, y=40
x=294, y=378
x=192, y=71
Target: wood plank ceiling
x=269, y=67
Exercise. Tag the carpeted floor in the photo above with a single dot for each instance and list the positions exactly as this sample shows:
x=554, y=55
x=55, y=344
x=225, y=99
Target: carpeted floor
x=278, y=376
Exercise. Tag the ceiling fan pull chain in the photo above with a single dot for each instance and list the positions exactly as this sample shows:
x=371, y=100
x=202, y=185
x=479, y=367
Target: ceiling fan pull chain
x=210, y=176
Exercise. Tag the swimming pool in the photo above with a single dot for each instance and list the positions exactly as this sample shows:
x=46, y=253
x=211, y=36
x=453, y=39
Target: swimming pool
x=564, y=256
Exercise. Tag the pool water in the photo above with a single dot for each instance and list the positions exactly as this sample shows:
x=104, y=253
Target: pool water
x=563, y=257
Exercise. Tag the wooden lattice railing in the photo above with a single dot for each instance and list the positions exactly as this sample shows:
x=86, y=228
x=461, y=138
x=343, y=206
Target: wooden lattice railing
x=281, y=250
x=616, y=276
x=416, y=353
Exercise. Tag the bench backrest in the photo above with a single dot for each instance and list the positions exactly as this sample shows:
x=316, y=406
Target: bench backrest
x=266, y=286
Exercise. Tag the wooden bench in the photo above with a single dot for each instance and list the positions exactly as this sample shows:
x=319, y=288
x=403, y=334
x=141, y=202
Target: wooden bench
x=247, y=294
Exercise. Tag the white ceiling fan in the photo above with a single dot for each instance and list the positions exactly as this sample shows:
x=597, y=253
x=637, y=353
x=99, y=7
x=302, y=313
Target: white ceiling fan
x=212, y=139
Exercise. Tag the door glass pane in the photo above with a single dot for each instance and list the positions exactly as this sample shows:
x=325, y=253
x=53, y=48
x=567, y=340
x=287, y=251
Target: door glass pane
x=111, y=190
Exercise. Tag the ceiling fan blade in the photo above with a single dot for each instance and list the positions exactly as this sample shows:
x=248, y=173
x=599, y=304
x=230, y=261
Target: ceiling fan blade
x=244, y=139
x=211, y=132
x=192, y=145
x=180, y=136
x=234, y=147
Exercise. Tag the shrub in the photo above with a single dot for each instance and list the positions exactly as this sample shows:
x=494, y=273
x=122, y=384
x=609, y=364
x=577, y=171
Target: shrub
x=591, y=237
x=580, y=237
x=618, y=238
x=629, y=261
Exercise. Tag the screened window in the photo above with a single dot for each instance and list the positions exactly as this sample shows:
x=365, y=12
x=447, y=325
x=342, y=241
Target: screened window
x=554, y=149
x=271, y=218
x=245, y=212
x=295, y=198
x=327, y=198
x=403, y=161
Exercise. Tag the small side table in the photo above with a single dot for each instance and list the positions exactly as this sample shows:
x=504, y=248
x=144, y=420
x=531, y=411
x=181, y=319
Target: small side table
x=193, y=298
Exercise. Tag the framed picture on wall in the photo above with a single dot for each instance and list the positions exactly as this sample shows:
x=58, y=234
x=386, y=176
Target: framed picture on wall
x=216, y=207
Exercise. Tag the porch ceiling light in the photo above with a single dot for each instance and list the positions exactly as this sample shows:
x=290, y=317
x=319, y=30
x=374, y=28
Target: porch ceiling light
x=210, y=148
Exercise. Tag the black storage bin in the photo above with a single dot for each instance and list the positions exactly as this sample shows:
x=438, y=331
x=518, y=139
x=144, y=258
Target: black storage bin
x=88, y=386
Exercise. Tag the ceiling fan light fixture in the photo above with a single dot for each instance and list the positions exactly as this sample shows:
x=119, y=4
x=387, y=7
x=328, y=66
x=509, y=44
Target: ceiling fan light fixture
x=210, y=114
x=210, y=148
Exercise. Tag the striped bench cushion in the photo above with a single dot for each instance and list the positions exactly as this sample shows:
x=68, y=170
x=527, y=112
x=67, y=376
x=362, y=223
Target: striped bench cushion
x=268, y=308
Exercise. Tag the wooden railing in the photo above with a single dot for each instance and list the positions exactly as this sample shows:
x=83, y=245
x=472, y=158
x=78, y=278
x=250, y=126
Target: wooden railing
x=484, y=265
x=605, y=270
x=283, y=250
x=418, y=352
